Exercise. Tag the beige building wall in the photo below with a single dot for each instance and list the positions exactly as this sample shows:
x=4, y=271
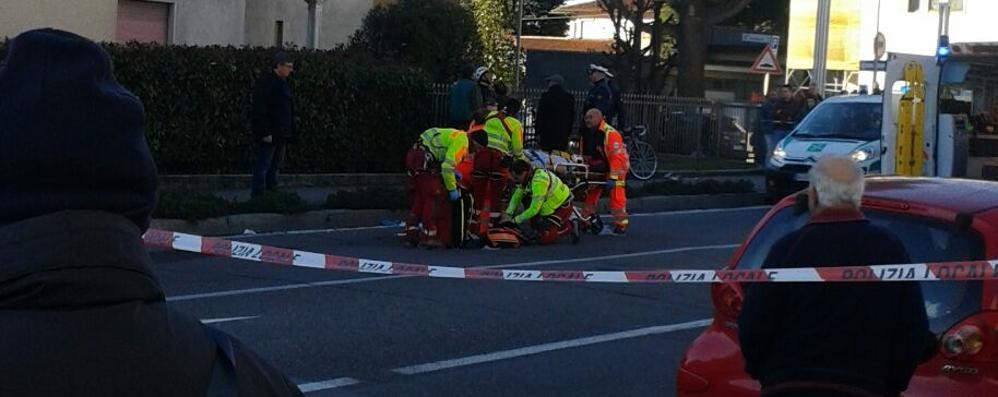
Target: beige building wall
x=94, y=19
x=261, y=17
x=200, y=22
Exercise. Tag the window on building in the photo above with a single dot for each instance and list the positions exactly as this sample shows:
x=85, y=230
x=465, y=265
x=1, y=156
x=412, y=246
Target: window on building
x=914, y=5
x=954, y=5
x=279, y=34
x=143, y=21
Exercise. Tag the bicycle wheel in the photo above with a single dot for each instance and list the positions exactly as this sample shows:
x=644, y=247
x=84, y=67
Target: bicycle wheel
x=644, y=161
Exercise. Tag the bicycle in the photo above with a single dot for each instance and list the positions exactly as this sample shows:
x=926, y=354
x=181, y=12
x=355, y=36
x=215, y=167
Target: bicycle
x=643, y=159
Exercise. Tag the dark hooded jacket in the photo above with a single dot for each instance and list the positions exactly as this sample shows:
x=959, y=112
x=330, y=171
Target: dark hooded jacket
x=81, y=313
x=555, y=116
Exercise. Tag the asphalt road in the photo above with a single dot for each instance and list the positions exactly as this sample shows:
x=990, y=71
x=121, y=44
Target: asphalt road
x=343, y=334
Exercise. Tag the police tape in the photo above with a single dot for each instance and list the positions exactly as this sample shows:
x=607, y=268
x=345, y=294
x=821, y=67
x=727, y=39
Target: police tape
x=939, y=271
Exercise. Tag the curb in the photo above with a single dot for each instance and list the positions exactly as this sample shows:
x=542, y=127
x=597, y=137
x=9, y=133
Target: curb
x=263, y=223
x=329, y=219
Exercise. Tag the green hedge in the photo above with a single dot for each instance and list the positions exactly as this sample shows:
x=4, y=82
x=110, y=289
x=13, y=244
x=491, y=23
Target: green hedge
x=353, y=113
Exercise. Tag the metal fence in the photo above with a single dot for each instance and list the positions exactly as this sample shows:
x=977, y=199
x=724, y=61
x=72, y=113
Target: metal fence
x=684, y=126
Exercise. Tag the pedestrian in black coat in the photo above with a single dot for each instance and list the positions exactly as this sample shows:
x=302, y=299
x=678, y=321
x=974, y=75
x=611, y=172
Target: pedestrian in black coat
x=272, y=119
x=835, y=339
x=555, y=115
x=81, y=312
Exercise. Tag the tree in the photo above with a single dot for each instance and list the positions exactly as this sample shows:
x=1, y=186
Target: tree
x=696, y=18
x=641, y=66
x=496, y=21
x=437, y=36
x=535, y=23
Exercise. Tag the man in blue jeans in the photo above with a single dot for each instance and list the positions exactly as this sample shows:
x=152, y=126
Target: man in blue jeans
x=273, y=122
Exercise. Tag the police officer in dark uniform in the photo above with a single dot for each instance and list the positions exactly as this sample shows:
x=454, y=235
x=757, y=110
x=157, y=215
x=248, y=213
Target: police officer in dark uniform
x=601, y=95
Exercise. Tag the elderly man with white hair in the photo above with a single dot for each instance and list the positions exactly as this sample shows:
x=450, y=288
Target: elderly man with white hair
x=834, y=339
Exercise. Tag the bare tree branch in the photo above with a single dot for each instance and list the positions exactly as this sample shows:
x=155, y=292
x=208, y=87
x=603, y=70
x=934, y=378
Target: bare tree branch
x=719, y=11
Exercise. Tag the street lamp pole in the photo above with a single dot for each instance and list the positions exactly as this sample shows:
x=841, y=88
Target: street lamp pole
x=519, y=34
x=820, y=55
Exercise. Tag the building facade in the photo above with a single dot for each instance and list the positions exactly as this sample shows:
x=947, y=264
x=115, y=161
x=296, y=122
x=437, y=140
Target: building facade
x=908, y=26
x=304, y=23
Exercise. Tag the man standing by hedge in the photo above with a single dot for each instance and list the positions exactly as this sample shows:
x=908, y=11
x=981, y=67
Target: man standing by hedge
x=463, y=99
x=273, y=122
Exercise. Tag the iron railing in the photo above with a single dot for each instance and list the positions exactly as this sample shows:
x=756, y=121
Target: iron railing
x=685, y=126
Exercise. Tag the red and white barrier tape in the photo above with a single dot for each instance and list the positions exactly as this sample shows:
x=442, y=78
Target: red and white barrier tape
x=942, y=271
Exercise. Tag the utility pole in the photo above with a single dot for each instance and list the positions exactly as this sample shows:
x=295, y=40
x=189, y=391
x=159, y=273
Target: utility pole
x=519, y=34
x=818, y=71
x=313, y=22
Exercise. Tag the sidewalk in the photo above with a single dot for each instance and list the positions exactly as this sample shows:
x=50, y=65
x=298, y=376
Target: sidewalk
x=330, y=219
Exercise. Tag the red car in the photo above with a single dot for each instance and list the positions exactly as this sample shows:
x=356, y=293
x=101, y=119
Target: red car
x=938, y=220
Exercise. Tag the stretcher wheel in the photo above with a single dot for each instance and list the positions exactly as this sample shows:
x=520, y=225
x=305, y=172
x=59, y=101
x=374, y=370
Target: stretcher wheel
x=595, y=225
x=576, y=231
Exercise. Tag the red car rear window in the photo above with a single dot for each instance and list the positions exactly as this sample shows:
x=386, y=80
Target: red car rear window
x=926, y=241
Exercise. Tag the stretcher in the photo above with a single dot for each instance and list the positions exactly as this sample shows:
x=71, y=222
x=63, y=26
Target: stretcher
x=570, y=168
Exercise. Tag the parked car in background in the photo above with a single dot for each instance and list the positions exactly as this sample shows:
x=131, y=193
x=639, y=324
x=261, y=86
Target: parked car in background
x=846, y=125
x=938, y=220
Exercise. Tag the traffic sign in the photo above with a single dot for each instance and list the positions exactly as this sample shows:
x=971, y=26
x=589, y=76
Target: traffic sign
x=873, y=66
x=879, y=46
x=766, y=62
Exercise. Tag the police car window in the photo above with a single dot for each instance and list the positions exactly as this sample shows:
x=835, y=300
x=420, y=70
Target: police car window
x=850, y=120
x=925, y=240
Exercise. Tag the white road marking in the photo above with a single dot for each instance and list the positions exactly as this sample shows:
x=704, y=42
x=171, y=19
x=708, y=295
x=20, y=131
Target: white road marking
x=327, y=384
x=700, y=211
x=226, y=319
x=548, y=347
x=382, y=278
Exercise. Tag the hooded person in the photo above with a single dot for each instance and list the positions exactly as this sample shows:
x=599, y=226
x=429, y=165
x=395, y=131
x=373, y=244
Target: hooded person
x=82, y=312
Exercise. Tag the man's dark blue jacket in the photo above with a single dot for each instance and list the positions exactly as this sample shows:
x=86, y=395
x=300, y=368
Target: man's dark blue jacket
x=869, y=336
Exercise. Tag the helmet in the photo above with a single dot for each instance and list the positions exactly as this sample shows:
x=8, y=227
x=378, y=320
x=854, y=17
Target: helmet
x=481, y=71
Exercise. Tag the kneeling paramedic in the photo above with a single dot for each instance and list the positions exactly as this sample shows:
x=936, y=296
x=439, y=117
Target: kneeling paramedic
x=603, y=148
x=431, y=163
x=491, y=166
x=550, y=208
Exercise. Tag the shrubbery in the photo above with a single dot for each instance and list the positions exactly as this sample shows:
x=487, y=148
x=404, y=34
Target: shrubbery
x=354, y=113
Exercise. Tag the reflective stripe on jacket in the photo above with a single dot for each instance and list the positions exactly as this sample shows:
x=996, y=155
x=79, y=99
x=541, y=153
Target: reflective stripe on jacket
x=614, y=152
x=547, y=193
x=505, y=134
x=449, y=147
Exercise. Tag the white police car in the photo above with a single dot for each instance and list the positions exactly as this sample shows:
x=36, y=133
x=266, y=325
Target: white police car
x=838, y=125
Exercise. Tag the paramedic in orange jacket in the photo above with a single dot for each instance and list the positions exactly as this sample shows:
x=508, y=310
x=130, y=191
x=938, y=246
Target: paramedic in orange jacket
x=604, y=150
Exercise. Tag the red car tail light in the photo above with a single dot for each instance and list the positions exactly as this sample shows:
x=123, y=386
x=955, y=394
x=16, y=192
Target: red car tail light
x=974, y=339
x=727, y=300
